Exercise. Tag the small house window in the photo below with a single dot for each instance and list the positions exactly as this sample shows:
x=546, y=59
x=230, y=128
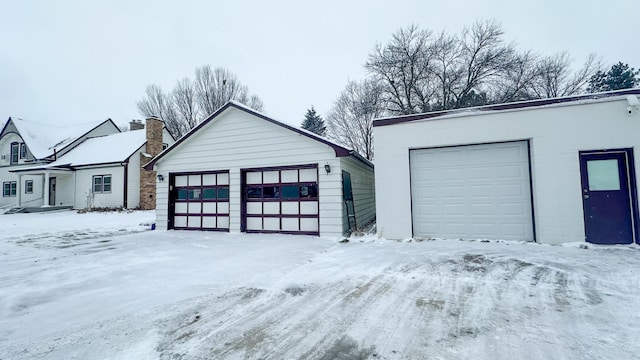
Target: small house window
x=101, y=183
x=23, y=151
x=14, y=152
x=28, y=186
x=9, y=188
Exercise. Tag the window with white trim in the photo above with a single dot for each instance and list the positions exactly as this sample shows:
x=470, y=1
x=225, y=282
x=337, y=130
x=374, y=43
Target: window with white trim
x=23, y=151
x=14, y=152
x=9, y=188
x=28, y=186
x=101, y=184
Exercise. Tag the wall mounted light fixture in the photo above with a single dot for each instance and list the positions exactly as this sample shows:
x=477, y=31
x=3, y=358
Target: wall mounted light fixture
x=160, y=177
x=327, y=168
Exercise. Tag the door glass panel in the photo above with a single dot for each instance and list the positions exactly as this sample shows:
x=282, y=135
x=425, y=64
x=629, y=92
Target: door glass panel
x=603, y=175
x=223, y=193
x=271, y=192
x=209, y=193
x=290, y=191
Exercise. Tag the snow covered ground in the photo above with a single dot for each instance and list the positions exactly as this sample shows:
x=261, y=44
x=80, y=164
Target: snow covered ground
x=100, y=286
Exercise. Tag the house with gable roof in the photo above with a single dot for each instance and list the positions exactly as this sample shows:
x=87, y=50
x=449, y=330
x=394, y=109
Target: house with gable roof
x=93, y=164
x=242, y=171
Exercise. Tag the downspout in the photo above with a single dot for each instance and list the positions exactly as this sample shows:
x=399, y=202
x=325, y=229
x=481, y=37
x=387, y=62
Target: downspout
x=126, y=185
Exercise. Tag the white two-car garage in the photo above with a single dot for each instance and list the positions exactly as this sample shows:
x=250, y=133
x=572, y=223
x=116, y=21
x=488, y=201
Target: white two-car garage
x=473, y=191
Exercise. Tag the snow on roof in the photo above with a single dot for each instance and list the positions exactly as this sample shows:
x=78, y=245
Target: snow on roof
x=43, y=139
x=103, y=149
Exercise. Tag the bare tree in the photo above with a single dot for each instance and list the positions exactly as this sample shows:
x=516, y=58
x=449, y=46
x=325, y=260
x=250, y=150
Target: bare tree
x=421, y=72
x=191, y=101
x=556, y=78
x=350, y=121
x=516, y=81
x=483, y=56
x=184, y=99
x=216, y=87
x=160, y=105
x=402, y=69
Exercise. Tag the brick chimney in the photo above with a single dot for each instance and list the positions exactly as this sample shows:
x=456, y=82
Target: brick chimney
x=154, y=128
x=136, y=125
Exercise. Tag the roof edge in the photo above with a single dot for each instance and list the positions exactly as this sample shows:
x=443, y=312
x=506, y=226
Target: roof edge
x=505, y=106
x=339, y=150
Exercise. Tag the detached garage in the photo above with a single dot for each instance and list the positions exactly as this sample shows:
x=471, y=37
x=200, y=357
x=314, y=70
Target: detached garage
x=553, y=171
x=241, y=171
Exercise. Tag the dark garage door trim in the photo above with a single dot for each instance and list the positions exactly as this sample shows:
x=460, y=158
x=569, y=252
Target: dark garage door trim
x=255, y=193
x=187, y=195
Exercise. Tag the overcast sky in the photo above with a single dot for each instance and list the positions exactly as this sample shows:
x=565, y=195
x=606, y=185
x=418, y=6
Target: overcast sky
x=78, y=61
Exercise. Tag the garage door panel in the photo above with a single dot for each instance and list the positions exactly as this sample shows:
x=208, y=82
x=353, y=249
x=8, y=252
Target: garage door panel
x=198, y=198
x=195, y=208
x=209, y=179
x=181, y=208
x=271, y=224
x=181, y=180
x=254, y=208
x=194, y=221
x=477, y=191
x=209, y=222
x=180, y=221
x=223, y=208
x=290, y=208
x=223, y=222
x=195, y=180
x=272, y=208
x=209, y=208
x=281, y=200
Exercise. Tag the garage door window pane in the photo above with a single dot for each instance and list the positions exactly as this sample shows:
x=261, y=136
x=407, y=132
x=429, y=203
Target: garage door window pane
x=308, y=191
x=209, y=193
x=271, y=192
x=223, y=193
x=290, y=192
x=194, y=194
x=182, y=194
x=254, y=192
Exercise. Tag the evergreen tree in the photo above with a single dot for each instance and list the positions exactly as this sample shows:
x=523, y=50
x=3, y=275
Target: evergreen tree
x=620, y=76
x=313, y=122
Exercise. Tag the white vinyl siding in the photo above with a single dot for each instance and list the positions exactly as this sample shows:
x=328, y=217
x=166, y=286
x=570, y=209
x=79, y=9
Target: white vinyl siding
x=237, y=140
x=472, y=192
x=133, y=179
x=86, y=198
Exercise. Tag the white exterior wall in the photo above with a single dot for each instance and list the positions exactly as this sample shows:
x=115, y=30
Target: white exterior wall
x=556, y=134
x=64, y=189
x=84, y=196
x=33, y=199
x=5, y=175
x=133, y=180
x=236, y=140
x=363, y=188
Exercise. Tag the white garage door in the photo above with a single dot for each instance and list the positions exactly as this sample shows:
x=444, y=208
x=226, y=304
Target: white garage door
x=472, y=192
